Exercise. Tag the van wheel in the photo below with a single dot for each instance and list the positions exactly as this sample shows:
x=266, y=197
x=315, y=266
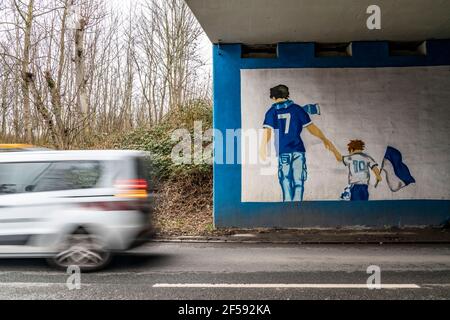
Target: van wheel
x=83, y=250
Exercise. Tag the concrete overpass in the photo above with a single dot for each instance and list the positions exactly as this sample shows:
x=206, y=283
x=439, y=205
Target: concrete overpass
x=275, y=21
x=387, y=87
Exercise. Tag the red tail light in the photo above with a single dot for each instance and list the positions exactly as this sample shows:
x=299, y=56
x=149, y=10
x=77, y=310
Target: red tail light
x=132, y=188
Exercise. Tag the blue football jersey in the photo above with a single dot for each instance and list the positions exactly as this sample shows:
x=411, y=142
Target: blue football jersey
x=288, y=119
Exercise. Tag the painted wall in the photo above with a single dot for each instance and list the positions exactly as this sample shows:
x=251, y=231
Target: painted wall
x=407, y=108
x=365, y=96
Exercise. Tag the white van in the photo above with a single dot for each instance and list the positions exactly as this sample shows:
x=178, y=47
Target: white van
x=73, y=207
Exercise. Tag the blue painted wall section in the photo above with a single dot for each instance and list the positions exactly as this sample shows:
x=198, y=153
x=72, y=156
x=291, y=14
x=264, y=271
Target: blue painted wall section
x=229, y=211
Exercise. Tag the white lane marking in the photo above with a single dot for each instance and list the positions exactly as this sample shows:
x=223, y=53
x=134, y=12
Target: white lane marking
x=282, y=286
x=28, y=285
x=443, y=285
x=34, y=285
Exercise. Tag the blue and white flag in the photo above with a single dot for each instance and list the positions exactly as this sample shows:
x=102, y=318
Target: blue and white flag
x=398, y=175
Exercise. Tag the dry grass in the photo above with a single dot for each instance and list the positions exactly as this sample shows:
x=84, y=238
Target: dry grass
x=185, y=207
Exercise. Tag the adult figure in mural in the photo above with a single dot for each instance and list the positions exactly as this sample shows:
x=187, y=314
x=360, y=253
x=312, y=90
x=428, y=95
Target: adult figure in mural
x=286, y=120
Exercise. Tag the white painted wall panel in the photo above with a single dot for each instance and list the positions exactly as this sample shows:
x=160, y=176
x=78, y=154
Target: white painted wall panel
x=407, y=108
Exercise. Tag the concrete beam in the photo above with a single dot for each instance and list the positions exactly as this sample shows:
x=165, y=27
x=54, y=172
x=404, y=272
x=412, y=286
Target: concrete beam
x=274, y=21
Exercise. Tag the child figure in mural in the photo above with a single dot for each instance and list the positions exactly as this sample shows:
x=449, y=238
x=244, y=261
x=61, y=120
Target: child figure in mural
x=359, y=165
x=287, y=120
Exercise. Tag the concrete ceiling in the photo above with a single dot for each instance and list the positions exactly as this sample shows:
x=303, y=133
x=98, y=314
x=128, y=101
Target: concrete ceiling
x=274, y=21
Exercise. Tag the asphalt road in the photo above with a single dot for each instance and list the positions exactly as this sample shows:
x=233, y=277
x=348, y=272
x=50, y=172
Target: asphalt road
x=243, y=271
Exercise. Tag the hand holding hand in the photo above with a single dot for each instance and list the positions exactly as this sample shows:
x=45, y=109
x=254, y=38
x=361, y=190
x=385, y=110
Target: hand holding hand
x=338, y=156
x=330, y=146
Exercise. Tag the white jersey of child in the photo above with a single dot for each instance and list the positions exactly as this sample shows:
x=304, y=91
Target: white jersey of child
x=359, y=165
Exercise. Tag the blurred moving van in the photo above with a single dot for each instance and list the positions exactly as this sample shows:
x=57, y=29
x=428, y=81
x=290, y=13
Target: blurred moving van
x=74, y=208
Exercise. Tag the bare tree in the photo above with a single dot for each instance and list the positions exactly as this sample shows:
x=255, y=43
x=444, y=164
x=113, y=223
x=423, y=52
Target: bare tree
x=79, y=66
x=27, y=18
x=63, y=83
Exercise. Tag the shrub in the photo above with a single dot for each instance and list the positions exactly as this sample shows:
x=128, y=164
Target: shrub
x=157, y=141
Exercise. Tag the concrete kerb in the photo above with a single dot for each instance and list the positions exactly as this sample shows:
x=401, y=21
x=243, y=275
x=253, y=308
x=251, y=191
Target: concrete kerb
x=420, y=242
x=426, y=236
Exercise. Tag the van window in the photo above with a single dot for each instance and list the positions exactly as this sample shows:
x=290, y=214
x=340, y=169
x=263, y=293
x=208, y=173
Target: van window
x=48, y=176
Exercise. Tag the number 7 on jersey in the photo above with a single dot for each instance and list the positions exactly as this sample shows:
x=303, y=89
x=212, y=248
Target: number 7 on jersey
x=287, y=117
